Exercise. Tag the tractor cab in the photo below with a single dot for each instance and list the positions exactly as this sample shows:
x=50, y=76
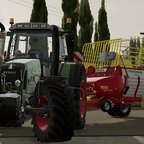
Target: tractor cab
x=34, y=41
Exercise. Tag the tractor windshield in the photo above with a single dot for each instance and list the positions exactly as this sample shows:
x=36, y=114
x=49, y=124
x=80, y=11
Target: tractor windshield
x=23, y=43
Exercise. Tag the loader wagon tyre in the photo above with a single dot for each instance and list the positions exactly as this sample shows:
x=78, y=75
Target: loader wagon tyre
x=105, y=105
x=51, y=126
x=121, y=110
x=113, y=111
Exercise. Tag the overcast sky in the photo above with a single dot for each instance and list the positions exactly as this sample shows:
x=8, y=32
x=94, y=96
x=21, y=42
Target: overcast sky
x=125, y=17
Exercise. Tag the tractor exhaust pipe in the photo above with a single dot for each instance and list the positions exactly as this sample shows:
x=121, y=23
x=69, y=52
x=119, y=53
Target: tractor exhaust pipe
x=55, y=54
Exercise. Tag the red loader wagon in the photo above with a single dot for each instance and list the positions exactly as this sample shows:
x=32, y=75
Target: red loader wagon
x=115, y=75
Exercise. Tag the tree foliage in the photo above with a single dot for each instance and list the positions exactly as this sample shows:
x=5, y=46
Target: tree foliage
x=39, y=11
x=135, y=46
x=103, y=29
x=86, y=23
x=96, y=32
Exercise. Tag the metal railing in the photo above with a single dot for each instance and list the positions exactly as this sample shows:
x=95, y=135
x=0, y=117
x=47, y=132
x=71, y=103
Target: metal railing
x=125, y=54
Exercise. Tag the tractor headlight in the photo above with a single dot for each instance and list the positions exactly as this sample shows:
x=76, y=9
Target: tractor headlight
x=17, y=83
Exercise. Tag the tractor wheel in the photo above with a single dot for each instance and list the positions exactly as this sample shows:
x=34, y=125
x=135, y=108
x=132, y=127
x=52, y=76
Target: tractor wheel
x=123, y=110
x=105, y=105
x=51, y=126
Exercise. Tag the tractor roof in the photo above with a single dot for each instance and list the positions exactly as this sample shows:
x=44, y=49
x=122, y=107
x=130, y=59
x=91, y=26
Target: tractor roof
x=34, y=26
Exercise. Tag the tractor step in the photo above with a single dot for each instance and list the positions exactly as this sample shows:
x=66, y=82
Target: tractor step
x=37, y=111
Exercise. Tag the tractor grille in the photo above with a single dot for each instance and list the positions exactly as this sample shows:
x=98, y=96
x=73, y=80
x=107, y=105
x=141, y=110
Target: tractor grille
x=13, y=72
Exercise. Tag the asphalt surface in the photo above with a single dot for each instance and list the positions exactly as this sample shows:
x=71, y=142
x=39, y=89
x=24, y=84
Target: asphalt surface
x=100, y=129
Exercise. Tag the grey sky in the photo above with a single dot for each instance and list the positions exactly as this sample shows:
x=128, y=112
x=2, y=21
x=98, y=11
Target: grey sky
x=125, y=17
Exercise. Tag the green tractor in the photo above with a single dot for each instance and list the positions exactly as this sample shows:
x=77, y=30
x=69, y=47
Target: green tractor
x=36, y=79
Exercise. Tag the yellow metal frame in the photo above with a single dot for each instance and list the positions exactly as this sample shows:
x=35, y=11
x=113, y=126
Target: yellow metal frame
x=131, y=57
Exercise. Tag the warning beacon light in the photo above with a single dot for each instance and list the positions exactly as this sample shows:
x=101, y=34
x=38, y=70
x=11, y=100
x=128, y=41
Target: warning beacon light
x=68, y=22
x=11, y=21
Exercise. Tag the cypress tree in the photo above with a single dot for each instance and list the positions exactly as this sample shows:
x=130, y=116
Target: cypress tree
x=86, y=23
x=70, y=9
x=103, y=29
x=142, y=50
x=96, y=32
x=39, y=14
x=132, y=49
x=39, y=11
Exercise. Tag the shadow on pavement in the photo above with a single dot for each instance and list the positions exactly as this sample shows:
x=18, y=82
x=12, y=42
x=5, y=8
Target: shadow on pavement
x=98, y=124
x=129, y=126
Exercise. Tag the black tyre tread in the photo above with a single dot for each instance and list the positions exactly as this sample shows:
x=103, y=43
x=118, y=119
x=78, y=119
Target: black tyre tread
x=120, y=112
x=113, y=111
x=56, y=130
x=102, y=105
x=117, y=112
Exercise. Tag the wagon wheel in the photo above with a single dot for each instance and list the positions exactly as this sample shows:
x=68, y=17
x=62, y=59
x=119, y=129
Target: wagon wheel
x=105, y=105
x=113, y=111
x=123, y=110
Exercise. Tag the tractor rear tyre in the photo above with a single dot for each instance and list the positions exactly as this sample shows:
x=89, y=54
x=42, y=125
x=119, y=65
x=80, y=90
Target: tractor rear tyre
x=51, y=126
x=113, y=111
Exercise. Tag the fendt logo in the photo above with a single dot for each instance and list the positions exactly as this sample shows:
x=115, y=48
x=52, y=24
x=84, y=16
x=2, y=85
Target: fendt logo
x=10, y=67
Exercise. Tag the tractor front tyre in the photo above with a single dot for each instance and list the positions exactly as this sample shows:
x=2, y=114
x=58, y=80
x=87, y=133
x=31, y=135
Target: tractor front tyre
x=52, y=125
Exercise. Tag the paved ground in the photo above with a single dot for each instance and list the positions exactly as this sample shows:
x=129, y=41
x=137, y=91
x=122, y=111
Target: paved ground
x=80, y=140
x=100, y=129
